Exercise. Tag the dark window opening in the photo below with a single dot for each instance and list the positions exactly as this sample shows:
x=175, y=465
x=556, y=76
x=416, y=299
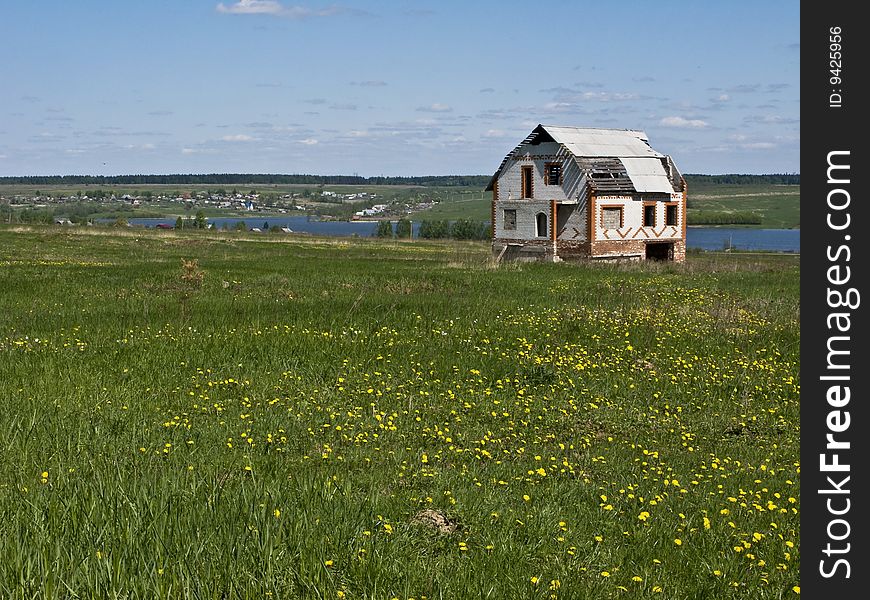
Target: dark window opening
x=660, y=251
x=527, y=182
x=649, y=215
x=671, y=214
x=553, y=174
x=510, y=219
x=541, y=222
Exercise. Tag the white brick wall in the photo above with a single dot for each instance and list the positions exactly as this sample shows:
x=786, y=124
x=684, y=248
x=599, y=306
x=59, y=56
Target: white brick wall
x=527, y=211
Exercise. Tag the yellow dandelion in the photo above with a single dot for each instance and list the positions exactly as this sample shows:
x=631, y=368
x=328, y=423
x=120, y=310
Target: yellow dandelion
x=277, y=513
x=796, y=589
x=605, y=573
x=678, y=542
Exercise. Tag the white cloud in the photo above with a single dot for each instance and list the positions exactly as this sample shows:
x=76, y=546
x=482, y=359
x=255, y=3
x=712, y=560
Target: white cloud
x=771, y=120
x=272, y=7
x=558, y=105
x=239, y=137
x=758, y=146
x=609, y=96
x=436, y=107
x=252, y=7
x=309, y=141
x=494, y=134
x=198, y=151
x=680, y=122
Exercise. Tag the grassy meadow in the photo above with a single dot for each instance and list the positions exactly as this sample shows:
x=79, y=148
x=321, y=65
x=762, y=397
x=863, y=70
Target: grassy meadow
x=776, y=206
x=228, y=416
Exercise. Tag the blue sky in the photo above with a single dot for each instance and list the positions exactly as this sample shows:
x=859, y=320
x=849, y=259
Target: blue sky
x=389, y=88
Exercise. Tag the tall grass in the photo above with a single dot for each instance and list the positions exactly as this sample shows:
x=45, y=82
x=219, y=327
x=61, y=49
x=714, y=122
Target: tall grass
x=229, y=417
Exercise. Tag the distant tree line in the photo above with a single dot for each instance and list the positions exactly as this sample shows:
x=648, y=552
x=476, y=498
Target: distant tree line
x=480, y=181
x=462, y=229
x=776, y=179
x=702, y=217
x=248, y=178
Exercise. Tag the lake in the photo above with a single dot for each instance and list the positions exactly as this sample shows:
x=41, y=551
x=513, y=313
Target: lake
x=699, y=238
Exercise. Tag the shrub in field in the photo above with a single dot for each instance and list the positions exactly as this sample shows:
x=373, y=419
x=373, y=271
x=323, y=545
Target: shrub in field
x=434, y=230
x=191, y=274
x=384, y=230
x=403, y=229
x=466, y=229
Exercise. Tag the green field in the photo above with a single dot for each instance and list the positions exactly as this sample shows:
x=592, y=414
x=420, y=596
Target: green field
x=231, y=416
x=777, y=206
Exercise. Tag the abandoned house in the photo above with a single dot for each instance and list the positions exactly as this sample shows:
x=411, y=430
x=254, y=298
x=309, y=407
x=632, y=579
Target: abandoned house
x=583, y=193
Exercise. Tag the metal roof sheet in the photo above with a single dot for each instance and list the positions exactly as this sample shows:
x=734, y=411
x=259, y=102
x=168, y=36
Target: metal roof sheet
x=647, y=174
x=587, y=141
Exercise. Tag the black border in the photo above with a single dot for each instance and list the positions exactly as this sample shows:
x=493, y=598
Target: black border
x=825, y=129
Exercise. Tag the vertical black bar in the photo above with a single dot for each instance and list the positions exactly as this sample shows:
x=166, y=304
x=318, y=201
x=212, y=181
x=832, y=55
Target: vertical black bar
x=834, y=270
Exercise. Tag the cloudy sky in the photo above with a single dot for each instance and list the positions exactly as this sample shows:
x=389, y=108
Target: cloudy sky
x=391, y=87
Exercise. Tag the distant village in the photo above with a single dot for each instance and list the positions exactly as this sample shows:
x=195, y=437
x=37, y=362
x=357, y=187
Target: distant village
x=66, y=208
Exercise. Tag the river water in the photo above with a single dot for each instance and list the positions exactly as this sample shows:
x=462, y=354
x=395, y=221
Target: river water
x=699, y=238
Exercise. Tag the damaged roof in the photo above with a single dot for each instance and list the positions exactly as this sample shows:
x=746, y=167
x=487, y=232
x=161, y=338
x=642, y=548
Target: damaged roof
x=647, y=169
x=588, y=141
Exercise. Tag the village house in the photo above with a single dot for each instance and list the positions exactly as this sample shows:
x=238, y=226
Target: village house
x=585, y=193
